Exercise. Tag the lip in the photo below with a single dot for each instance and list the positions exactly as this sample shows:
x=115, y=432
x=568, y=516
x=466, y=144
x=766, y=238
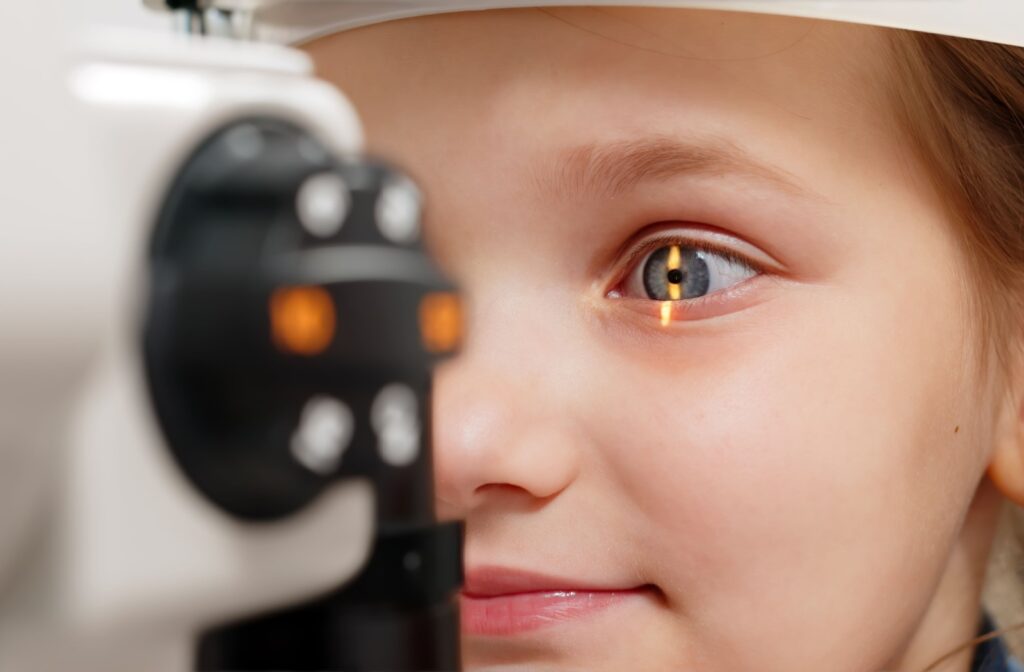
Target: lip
x=500, y=601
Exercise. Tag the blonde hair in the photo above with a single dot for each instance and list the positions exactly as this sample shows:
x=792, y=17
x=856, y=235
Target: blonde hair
x=960, y=104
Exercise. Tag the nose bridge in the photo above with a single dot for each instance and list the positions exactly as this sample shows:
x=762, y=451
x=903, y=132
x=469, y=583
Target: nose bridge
x=517, y=324
x=498, y=419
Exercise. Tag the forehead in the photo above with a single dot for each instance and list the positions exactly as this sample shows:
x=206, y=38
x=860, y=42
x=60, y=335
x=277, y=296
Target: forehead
x=684, y=52
x=523, y=81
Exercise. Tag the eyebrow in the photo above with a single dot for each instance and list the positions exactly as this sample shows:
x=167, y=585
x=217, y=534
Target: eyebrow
x=612, y=169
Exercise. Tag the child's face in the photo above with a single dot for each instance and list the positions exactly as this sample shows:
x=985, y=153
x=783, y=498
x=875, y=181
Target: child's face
x=786, y=464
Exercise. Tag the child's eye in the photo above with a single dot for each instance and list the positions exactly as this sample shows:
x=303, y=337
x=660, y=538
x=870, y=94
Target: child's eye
x=681, y=270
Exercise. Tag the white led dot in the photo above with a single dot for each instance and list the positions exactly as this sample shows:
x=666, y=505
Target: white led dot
x=395, y=419
x=412, y=561
x=323, y=435
x=311, y=150
x=322, y=204
x=398, y=211
x=245, y=142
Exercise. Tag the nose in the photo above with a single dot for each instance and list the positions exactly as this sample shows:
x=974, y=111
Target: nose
x=501, y=425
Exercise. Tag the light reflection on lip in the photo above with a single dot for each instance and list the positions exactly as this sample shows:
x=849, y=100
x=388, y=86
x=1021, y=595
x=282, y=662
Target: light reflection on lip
x=498, y=601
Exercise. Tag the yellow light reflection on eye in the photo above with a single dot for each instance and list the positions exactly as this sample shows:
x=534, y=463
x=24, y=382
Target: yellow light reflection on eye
x=666, y=313
x=675, y=292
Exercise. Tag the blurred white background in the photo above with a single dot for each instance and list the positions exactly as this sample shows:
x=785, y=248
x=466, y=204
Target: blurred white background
x=129, y=13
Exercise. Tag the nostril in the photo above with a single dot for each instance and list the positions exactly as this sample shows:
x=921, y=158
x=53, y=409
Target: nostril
x=510, y=497
x=501, y=488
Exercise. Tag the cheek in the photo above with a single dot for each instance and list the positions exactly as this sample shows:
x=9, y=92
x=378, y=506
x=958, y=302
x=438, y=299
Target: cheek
x=805, y=468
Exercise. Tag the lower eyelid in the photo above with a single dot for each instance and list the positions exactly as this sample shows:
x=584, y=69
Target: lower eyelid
x=723, y=301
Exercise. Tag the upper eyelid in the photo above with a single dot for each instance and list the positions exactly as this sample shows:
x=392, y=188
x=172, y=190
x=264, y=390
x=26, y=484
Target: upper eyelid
x=652, y=242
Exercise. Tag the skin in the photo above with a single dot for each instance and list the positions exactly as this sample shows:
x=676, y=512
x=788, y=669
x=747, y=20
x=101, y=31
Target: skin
x=805, y=465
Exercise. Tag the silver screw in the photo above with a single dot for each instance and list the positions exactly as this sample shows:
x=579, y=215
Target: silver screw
x=395, y=418
x=398, y=210
x=323, y=434
x=322, y=203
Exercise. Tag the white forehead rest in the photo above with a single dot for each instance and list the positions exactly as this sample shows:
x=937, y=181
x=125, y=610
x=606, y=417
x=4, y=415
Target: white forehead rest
x=297, y=21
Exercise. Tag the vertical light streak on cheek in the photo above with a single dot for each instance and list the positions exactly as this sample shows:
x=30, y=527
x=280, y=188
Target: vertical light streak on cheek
x=666, y=313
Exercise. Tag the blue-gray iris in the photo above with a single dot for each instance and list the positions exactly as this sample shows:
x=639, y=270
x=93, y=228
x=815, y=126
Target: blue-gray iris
x=692, y=275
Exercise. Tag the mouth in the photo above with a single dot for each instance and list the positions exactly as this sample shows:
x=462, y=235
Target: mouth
x=500, y=601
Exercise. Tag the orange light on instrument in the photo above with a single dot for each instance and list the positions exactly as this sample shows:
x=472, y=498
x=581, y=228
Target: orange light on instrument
x=440, y=321
x=302, y=319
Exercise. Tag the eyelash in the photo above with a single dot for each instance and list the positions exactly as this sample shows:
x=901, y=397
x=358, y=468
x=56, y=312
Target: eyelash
x=652, y=244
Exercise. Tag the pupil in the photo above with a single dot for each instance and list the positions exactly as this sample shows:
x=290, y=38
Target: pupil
x=675, y=276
